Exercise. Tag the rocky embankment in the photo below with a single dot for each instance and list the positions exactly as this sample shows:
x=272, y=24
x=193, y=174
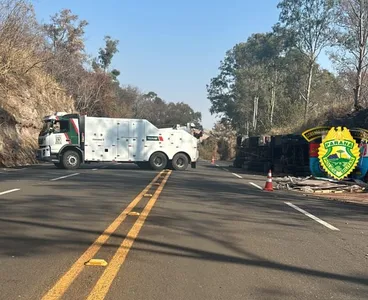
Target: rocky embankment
x=22, y=107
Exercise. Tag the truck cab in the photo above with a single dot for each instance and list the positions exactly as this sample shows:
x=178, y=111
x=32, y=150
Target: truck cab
x=58, y=132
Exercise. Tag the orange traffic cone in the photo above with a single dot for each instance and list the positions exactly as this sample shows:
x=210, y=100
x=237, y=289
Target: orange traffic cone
x=213, y=160
x=268, y=186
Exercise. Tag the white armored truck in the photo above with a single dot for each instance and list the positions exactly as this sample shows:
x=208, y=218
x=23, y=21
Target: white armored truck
x=68, y=140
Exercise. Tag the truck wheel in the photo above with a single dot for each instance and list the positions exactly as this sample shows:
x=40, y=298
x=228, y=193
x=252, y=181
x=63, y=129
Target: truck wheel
x=59, y=165
x=180, y=162
x=71, y=160
x=158, y=161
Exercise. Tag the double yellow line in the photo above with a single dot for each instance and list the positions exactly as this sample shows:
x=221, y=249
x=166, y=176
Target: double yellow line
x=103, y=284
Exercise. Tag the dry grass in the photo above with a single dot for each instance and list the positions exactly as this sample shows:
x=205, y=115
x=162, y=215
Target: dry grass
x=337, y=113
x=27, y=91
x=28, y=98
x=16, y=150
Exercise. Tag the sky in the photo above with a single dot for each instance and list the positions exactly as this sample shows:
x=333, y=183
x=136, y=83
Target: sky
x=170, y=47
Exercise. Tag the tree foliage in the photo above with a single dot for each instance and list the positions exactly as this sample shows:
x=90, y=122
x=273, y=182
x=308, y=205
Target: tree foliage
x=163, y=114
x=352, y=43
x=20, y=37
x=65, y=33
x=106, y=54
x=272, y=82
x=309, y=26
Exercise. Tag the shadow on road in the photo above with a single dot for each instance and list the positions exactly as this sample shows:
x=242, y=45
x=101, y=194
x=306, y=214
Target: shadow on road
x=45, y=172
x=57, y=221
x=172, y=250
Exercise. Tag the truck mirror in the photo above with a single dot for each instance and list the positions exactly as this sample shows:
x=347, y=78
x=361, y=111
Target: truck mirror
x=239, y=140
x=198, y=135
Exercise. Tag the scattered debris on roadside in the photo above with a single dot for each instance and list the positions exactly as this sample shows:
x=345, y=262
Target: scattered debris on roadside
x=319, y=185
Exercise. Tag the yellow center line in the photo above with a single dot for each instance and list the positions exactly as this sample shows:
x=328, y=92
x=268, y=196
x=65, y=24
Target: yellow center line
x=103, y=284
x=61, y=286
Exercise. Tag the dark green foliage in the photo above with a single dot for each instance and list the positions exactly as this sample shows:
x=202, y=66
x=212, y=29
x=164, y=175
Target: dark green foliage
x=272, y=81
x=163, y=114
x=106, y=54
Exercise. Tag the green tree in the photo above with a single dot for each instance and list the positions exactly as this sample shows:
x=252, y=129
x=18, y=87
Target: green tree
x=246, y=89
x=106, y=54
x=259, y=68
x=114, y=74
x=182, y=113
x=340, y=152
x=261, y=84
x=310, y=23
x=162, y=114
x=220, y=91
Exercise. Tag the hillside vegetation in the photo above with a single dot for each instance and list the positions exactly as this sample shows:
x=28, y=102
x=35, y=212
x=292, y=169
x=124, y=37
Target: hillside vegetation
x=44, y=68
x=272, y=83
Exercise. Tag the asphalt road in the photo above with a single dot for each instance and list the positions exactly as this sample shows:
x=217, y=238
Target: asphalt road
x=206, y=233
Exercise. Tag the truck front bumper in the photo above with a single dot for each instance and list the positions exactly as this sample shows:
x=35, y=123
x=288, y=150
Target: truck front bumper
x=44, y=154
x=193, y=163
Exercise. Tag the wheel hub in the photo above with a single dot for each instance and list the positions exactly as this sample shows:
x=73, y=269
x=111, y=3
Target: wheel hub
x=158, y=161
x=72, y=160
x=180, y=162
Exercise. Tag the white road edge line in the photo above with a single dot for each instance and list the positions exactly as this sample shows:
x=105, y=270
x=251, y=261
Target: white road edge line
x=9, y=191
x=312, y=216
x=236, y=175
x=255, y=185
x=62, y=177
x=225, y=169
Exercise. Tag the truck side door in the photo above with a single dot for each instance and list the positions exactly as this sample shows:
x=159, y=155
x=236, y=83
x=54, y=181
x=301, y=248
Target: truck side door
x=136, y=140
x=123, y=141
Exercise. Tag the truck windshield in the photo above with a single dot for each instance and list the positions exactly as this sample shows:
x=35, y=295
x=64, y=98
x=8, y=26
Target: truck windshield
x=46, y=127
x=58, y=126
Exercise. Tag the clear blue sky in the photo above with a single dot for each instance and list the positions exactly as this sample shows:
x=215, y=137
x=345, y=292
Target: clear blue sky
x=170, y=47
